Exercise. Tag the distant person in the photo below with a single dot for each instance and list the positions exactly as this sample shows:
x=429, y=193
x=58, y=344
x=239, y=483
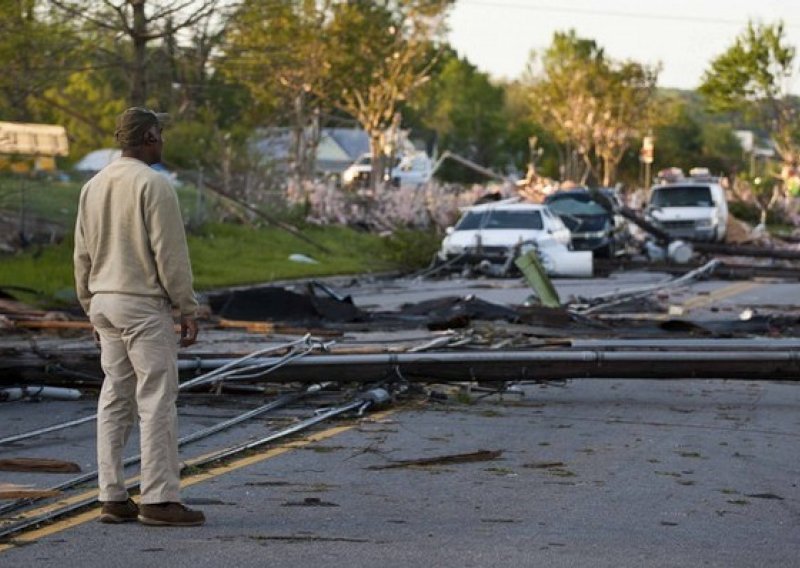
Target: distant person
x=131, y=267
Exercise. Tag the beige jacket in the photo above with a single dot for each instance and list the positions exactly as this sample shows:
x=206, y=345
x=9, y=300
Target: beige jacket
x=129, y=237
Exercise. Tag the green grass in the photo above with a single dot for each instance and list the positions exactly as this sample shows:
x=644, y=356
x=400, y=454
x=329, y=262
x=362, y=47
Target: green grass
x=222, y=255
x=55, y=201
x=226, y=255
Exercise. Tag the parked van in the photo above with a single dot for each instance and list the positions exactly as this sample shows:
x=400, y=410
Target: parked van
x=413, y=169
x=689, y=209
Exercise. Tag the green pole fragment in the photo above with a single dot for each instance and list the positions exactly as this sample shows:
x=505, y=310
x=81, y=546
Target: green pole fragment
x=531, y=267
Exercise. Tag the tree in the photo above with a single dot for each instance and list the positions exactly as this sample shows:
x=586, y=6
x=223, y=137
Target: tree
x=625, y=103
x=379, y=55
x=277, y=50
x=140, y=22
x=593, y=105
x=467, y=114
x=753, y=77
x=37, y=52
x=563, y=99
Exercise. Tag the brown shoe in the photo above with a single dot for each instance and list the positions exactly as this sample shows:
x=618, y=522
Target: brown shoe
x=119, y=511
x=170, y=514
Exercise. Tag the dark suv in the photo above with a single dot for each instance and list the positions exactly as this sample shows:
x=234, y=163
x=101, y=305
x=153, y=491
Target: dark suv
x=592, y=226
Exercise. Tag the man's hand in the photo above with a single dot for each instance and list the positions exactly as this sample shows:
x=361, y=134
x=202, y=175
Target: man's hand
x=188, y=331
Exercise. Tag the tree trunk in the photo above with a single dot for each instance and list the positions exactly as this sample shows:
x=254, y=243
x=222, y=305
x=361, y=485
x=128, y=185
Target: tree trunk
x=376, y=147
x=139, y=71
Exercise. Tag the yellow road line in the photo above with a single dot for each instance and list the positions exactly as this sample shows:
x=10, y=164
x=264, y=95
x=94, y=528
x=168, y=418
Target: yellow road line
x=694, y=302
x=58, y=526
x=720, y=294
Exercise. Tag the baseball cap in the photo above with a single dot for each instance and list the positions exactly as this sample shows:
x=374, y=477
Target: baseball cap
x=134, y=123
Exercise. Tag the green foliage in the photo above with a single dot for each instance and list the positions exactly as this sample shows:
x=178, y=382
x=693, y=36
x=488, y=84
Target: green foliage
x=751, y=70
x=752, y=77
x=226, y=255
x=521, y=128
x=686, y=137
x=467, y=112
x=191, y=144
x=593, y=105
x=411, y=250
x=35, y=50
x=55, y=201
x=751, y=213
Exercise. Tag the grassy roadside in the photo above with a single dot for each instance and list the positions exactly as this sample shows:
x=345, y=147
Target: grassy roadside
x=222, y=255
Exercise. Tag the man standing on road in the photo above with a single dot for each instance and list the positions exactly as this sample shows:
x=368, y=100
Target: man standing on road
x=131, y=267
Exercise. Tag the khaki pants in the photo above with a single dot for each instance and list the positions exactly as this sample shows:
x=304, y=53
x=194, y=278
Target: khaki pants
x=139, y=358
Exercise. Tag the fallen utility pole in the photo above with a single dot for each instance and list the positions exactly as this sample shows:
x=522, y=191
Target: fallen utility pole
x=215, y=377
x=723, y=271
x=739, y=250
x=541, y=365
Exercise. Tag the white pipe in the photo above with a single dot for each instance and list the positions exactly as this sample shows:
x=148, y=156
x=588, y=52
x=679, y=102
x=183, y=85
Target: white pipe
x=38, y=392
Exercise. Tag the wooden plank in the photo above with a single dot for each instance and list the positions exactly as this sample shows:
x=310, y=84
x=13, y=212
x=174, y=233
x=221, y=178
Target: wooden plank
x=38, y=465
x=272, y=328
x=52, y=324
x=11, y=491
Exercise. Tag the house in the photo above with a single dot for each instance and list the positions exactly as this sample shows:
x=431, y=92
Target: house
x=337, y=148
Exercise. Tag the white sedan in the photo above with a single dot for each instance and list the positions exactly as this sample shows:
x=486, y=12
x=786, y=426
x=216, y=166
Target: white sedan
x=495, y=232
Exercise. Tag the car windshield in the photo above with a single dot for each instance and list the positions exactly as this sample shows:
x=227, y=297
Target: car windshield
x=501, y=219
x=471, y=221
x=575, y=205
x=682, y=196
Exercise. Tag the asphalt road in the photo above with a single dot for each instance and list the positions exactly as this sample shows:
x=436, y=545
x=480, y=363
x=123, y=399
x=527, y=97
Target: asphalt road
x=589, y=472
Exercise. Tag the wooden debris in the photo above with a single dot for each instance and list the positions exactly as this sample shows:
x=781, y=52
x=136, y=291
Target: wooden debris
x=272, y=328
x=11, y=491
x=52, y=324
x=479, y=456
x=38, y=465
x=544, y=465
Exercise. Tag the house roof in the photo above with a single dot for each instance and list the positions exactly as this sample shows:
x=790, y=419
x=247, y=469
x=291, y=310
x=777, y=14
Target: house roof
x=337, y=149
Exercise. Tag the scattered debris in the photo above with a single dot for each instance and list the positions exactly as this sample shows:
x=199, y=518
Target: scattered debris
x=309, y=502
x=479, y=456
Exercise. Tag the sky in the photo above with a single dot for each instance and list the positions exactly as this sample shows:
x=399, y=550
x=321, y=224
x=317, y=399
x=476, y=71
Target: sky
x=684, y=36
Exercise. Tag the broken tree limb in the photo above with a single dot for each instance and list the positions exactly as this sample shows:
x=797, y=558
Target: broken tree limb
x=266, y=217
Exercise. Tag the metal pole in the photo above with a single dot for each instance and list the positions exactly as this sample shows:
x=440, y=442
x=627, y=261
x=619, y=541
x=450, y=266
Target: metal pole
x=545, y=365
x=213, y=377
